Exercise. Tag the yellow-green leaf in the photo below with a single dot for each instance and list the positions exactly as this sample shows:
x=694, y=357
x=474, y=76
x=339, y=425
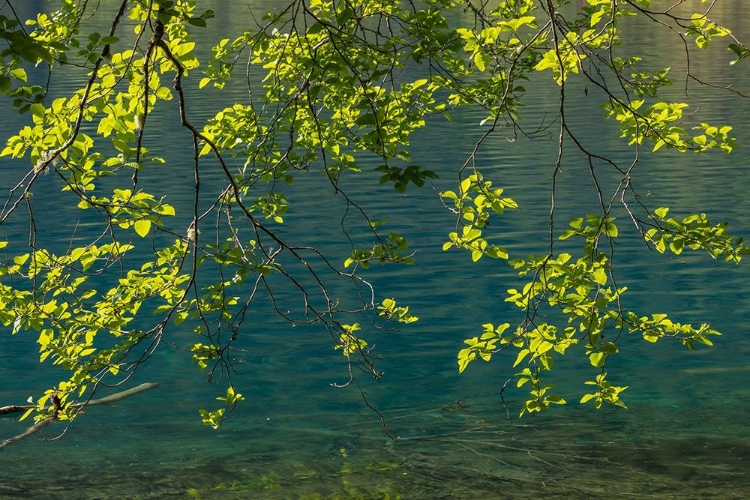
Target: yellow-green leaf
x=142, y=227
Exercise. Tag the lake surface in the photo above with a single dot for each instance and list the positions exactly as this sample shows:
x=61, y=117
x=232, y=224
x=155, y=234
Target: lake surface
x=684, y=434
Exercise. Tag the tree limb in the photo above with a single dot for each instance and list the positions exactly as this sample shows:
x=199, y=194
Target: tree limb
x=4, y=410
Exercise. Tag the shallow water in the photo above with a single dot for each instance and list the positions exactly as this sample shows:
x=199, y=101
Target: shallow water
x=446, y=436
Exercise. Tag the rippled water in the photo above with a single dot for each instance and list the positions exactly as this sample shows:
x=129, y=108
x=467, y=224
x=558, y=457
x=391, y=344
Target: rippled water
x=683, y=436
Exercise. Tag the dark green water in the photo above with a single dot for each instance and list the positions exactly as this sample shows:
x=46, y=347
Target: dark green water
x=683, y=436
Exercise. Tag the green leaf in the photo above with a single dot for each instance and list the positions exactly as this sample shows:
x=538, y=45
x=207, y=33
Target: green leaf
x=599, y=276
x=497, y=252
x=142, y=227
x=5, y=83
x=597, y=359
x=521, y=356
x=661, y=212
x=481, y=60
x=38, y=110
x=165, y=210
x=610, y=229
x=197, y=21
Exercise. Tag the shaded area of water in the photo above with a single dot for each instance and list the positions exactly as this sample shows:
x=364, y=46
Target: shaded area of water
x=462, y=450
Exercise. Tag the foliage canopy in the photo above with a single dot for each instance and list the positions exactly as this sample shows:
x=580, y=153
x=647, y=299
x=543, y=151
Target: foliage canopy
x=331, y=85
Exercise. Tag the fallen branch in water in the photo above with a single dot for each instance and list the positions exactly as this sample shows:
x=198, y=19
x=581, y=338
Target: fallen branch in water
x=4, y=410
x=38, y=426
x=119, y=395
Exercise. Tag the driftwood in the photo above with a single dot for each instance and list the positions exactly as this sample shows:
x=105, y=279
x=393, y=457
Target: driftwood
x=4, y=410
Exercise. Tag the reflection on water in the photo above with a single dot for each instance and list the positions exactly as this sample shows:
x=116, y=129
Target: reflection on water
x=683, y=436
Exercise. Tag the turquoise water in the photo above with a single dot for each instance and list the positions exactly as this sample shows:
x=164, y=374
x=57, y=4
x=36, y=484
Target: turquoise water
x=447, y=436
